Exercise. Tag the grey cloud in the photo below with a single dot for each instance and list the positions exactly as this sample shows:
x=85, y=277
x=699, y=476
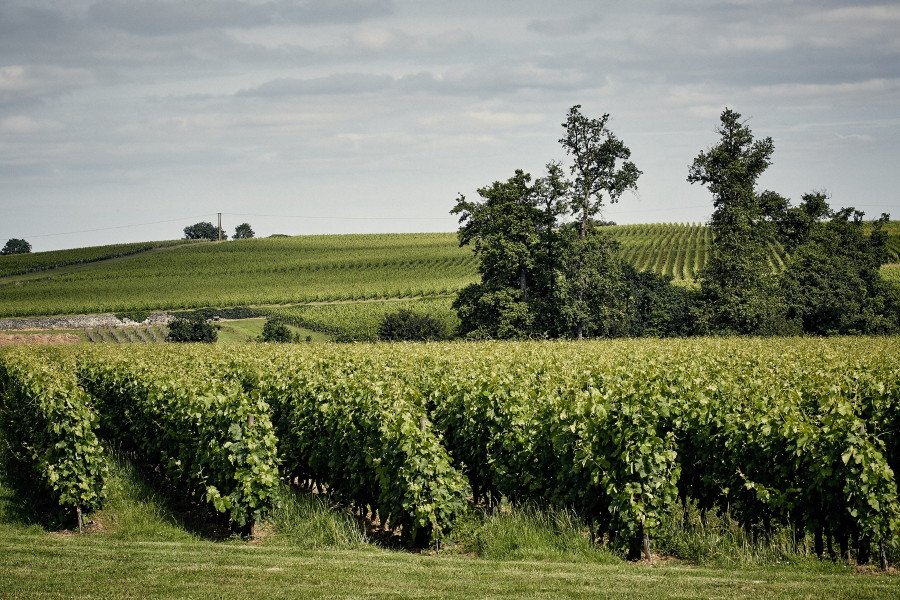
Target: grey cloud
x=575, y=25
x=486, y=80
x=345, y=83
x=165, y=17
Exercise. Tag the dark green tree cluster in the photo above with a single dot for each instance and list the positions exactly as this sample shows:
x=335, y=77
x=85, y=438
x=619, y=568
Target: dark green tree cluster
x=203, y=230
x=15, y=246
x=411, y=326
x=547, y=268
x=831, y=283
x=192, y=329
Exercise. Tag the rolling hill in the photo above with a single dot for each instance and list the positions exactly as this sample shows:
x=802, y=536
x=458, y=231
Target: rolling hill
x=299, y=270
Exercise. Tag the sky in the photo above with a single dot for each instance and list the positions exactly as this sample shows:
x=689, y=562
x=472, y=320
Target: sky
x=128, y=120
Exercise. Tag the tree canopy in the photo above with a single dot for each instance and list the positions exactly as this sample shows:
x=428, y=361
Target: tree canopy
x=16, y=246
x=243, y=232
x=547, y=268
x=831, y=283
x=738, y=285
x=203, y=230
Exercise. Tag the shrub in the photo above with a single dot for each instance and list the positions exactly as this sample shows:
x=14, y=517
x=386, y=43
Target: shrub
x=276, y=330
x=193, y=329
x=409, y=325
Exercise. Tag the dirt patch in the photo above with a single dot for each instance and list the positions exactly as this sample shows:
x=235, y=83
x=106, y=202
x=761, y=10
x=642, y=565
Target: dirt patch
x=15, y=339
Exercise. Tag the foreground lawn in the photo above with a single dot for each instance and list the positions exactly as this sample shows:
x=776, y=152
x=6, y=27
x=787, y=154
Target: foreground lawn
x=48, y=565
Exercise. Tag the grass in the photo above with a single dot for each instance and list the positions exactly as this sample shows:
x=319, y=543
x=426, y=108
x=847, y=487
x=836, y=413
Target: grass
x=360, y=321
x=242, y=331
x=139, y=547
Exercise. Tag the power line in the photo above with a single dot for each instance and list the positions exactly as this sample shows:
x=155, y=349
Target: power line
x=114, y=227
x=335, y=217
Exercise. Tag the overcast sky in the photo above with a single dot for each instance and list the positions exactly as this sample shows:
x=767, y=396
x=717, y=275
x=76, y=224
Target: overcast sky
x=371, y=115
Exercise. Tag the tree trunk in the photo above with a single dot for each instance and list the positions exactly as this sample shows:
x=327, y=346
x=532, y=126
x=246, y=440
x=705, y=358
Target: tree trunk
x=523, y=287
x=639, y=545
x=819, y=542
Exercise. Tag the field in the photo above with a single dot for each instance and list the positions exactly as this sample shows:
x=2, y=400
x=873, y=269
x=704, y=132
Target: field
x=298, y=270
x=411, y=445
x=20, y=264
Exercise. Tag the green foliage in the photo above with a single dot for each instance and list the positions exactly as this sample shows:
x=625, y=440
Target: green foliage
x=832, y=282
x=191, y=329
x=363, y=434
x=543, y=277
x=407, y=325
x=51, y=429
x=203, y=230
x=600, y=167
x=138, y=316
x=276, y=329
x=738, y=289
x=206, y=436
x=617, y=432
x=243, y=232
x=15, y=246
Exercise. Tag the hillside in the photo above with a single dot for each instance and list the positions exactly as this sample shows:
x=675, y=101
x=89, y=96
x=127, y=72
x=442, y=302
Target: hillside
x=298, y=270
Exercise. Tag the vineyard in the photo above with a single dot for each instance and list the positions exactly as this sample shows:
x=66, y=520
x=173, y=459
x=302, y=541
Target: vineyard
x=301, y=270
x=413, y=437
x=20, y=264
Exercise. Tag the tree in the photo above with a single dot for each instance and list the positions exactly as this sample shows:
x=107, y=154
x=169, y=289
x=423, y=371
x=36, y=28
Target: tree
x=600, y=165
x=737, y=284
x=16, y=246
x=832, y=283
x=408, y=325
x=203, y=230
x=276, y=329
x=242, y=232
x=542, y=276
x=601, y=171
x=192, y=329
x=504, y=231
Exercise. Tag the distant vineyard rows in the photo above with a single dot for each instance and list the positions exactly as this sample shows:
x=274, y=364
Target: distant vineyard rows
x=20, y=264
x=306, y=269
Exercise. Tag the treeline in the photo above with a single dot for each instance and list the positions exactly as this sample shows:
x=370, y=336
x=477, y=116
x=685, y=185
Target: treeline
x=549, y=270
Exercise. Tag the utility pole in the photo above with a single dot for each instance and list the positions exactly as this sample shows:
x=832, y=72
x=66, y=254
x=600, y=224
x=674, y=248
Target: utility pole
x=220, y=227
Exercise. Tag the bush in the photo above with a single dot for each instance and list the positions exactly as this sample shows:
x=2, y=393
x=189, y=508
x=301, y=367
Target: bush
x=408, y=325
x=276, y=330
x=193, y=329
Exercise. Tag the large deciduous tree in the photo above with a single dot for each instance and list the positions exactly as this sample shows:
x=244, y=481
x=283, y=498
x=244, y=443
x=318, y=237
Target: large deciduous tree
x=738, y=285
x=601, y=171
x=547, y=269
x=503, y=229
x=832, y=283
